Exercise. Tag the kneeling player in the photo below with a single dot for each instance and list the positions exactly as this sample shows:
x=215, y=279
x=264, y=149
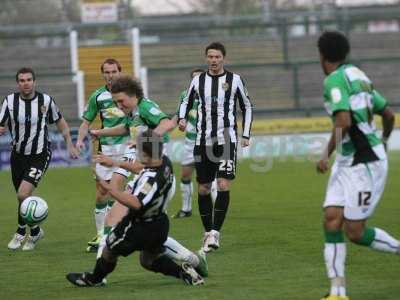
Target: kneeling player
x=145, y=227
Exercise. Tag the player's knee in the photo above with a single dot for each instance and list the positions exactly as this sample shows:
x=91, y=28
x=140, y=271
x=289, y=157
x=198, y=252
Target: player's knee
x=147, y=261
x=354, y=233
x=108, y=256
x=223, y=185
x=205, y=188
x=332, y=222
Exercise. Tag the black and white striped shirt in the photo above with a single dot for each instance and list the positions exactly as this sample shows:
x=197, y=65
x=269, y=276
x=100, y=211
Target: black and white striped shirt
x=27, y=121
x=154, y=187
x=218, y=97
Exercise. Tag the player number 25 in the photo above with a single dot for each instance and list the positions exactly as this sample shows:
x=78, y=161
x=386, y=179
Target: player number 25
x=226, y=165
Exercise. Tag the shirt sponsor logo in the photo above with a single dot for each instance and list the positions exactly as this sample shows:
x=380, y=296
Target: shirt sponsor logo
x=155, y=111
x=336, y=95
x=225, y=86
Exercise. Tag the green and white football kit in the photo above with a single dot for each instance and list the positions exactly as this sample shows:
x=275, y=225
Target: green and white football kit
x=359, y=173
x=101, y=102
x=190, y=133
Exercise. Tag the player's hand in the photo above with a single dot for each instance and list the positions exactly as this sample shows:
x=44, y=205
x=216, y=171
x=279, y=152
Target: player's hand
x=245, y=142
x=322, y=166
x=104, y=160
x=3, y=130
x=80, y=145
x=73, y=152
x=94, y=134
x=182, y=125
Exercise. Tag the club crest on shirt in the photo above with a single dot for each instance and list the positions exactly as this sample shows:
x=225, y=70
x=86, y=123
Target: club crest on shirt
x=43, y=109
x=225, y=86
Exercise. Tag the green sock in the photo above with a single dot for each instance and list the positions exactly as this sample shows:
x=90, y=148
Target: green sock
x=367, y=238
x=334, y=236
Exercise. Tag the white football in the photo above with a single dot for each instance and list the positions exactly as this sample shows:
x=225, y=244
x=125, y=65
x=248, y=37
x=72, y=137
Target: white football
x=34, y=210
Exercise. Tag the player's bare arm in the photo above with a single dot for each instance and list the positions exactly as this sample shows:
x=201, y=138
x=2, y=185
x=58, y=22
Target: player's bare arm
x=165, y=125
x=132, y=166
x=340, y=128
x=388, y=119
x=63, y=128
x=3, y=130
x=83, y=131
x=124, y=198
x=112, y=131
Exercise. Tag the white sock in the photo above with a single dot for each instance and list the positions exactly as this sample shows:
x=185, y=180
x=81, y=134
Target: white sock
x=214, y=190
x=385, y=242
x=177, y=252
x=335, y=259
x=187, y=191
x=99, y=217
x=102, y=244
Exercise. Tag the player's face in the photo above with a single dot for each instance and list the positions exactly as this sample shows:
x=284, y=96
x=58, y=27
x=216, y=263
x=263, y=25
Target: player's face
x=26, y=84
x=125, y=102
x=110, y=72
x=215, y=61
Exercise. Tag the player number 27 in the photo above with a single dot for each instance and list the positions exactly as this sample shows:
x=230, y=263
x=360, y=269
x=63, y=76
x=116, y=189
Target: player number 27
x=35, y=173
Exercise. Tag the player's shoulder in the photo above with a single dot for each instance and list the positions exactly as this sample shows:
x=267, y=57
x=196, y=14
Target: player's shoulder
x=336, y=78
x=95, y=94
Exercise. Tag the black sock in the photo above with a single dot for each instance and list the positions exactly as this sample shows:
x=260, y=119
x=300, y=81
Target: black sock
x=206, y=210
x=21, y=224
x=101, y=270
x=220, y=209
x=35, y=230
x=166, y=266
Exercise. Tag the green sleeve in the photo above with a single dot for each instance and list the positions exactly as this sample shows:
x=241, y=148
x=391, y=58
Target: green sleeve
x=151, y=113
x=378, y=102
x=181, y=97
x=336, y=92
x=91, y=109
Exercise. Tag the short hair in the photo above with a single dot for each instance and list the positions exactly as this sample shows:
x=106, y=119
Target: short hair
x=25, y=70
x=150, y=143
x=197, y=70
x=126, y=84
x=216, y=46
x=333, y=46
x=111, y=61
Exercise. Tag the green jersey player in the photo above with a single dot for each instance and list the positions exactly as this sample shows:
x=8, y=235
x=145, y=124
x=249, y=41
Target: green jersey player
x=359, y=173
x=101, y=103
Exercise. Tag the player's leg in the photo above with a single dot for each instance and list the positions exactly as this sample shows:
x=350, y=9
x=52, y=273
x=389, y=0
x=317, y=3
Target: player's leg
x=186, y=191
x=226, y=173
x=205, y=175
x=335, y=246
x=177, y=252
x=158, y=263
x=362, y=206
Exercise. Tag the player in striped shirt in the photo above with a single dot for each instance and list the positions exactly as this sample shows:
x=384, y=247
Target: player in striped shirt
x=27, y=114
x=145, y=227
x=359, y=173
x=187, y=161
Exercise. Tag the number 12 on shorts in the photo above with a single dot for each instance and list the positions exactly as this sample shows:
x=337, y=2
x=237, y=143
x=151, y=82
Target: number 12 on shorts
x=363, y=198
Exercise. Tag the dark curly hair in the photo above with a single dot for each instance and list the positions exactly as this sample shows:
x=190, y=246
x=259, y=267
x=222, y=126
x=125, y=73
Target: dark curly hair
x=334, y=46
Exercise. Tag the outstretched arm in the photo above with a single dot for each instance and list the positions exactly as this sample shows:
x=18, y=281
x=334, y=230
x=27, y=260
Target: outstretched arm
x=63, y=128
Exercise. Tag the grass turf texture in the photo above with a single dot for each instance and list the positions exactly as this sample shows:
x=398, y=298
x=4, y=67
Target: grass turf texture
x=271, y=246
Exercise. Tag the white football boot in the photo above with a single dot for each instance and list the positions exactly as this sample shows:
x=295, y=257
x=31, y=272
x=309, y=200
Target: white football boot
x=32, y=240
x=16, y=242
x=213, y=242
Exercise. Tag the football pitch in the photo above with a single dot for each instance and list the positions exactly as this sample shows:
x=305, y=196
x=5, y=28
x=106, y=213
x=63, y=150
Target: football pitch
x=271, y=243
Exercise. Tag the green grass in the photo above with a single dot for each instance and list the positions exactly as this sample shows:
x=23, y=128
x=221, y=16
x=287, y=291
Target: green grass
x=271, y=245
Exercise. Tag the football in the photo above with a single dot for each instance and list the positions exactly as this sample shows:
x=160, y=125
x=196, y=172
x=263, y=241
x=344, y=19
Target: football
x=34, y=210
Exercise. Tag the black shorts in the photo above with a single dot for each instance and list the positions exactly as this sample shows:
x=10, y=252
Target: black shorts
x=30, y=168
x=129, y=236
x=217, y=161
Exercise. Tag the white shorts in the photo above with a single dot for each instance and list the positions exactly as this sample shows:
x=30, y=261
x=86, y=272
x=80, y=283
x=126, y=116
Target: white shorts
x=357, y=189
x=116, y=152
x=187, y=154
x=130, y=156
